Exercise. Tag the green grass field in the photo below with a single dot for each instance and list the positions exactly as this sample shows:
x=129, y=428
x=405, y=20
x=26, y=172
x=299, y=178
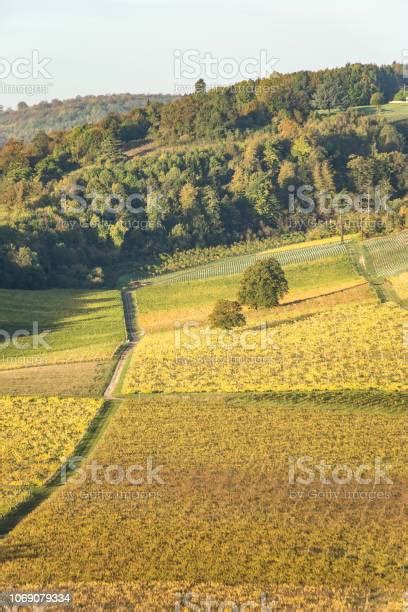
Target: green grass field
x=157, y=304
x=84, y=329
x=390, y=112
x=83, y=325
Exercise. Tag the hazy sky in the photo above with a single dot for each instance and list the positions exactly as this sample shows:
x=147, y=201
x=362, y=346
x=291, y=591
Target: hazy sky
x=65, y=48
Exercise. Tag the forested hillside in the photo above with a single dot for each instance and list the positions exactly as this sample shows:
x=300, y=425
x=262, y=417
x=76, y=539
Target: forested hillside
x=208, y=169
x=24, y=122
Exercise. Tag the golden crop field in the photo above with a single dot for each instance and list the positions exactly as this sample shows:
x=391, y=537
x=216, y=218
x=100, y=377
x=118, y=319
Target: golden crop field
x=35, y=434
x=346, y=347
x=224, y=517
x=328, y=333
x=157, y=596
x=223, y=417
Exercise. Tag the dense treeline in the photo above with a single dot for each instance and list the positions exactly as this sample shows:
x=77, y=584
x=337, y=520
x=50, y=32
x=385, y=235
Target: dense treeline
x=74, y=206
x=254, y=103
x=24, y=122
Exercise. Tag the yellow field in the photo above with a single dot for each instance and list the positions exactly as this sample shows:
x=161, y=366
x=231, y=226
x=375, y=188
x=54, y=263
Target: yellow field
x=154, y=596
x=400, y=284
x=329, y=333
x=323, y=376
x=346, y=347
x=35, y=434
x=225, y=516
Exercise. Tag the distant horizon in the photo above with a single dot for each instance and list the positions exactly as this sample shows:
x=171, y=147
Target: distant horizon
x=31, y=103
x=136, y=45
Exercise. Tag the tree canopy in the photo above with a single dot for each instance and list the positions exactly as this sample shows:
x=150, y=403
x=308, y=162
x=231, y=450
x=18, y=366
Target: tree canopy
x=79, y=200
x=263, y=284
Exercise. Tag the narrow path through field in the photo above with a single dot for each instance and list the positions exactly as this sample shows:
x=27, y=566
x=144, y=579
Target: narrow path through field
x=93, y=433
x=126, y=348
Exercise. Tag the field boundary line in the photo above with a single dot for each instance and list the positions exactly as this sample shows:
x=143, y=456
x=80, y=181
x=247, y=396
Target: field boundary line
x=42, y=492
x=360, y=283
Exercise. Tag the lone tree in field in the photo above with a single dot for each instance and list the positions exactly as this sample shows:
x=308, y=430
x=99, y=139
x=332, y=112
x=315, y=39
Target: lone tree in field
x=227, y=314
x=263, y=284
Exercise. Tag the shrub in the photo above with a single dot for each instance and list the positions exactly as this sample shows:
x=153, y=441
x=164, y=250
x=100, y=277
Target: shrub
x=377, y=99
x=263, y=284
x=227, y=314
